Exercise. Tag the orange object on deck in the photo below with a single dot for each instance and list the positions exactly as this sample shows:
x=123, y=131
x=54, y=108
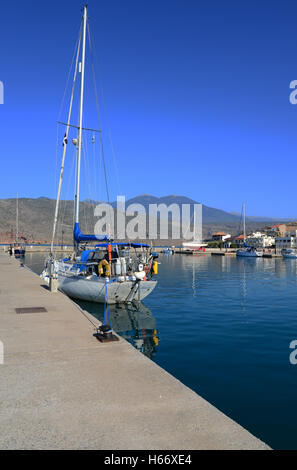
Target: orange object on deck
x=109, y=252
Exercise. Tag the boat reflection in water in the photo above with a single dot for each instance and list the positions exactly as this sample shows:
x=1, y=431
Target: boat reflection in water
x=133, y=321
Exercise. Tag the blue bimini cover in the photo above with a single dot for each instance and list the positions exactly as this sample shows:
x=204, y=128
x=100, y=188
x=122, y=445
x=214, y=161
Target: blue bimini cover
x=78, y=236
x=85, y=255
x=125, y=244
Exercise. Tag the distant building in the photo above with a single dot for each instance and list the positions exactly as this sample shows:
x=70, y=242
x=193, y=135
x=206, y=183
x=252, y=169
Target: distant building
x=276, y=230
x=280, y=230
x=220, y=236
x=260, y=239
x=289, y=240
x=238, y=240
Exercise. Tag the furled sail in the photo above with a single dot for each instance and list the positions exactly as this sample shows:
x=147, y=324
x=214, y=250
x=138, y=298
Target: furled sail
x=79, y=237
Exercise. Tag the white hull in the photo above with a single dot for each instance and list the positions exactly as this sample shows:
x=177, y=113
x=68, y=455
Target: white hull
x=249, y=254
x=93, y=289
x=194, y=245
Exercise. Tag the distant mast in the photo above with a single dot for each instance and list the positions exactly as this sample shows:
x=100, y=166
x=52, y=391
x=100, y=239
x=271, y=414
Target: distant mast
x=243, y=215
x=81, y=101
x=17, y=219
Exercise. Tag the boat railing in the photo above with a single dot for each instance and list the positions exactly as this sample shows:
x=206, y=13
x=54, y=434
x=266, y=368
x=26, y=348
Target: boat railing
x=74, y=267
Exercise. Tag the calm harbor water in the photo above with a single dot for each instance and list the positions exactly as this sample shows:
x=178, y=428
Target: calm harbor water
x=223, y=327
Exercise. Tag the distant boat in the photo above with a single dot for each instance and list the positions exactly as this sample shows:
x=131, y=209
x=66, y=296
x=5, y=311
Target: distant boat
x=19, y=252
x=194, y=246
x=247, y=251
x=289, y=253
x=168, y=251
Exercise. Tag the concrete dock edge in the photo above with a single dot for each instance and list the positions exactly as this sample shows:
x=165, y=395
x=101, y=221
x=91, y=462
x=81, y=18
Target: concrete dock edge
x=62, y=389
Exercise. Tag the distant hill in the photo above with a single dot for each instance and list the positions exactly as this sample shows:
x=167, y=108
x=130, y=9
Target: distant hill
x=36, y=216
x=210, y=215
x=259, y=218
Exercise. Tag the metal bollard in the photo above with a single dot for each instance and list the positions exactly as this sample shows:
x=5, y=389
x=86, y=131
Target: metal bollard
x=105, y=335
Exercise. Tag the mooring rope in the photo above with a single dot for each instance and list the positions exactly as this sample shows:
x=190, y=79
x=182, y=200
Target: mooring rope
x=106, y=307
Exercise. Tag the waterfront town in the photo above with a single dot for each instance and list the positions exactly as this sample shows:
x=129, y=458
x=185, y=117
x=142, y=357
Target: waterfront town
x=274, y=237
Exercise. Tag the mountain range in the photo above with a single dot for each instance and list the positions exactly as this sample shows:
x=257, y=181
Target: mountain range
x=209, y=214
x=36, y=216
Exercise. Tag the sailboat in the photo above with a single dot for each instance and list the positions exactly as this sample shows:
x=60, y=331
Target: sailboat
x=289, y=253
x=194, y=245
x=109, y=271
x=18, y=249
x=247, y=251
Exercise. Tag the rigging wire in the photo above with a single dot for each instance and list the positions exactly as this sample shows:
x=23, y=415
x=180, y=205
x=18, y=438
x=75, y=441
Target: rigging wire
x=110, y=222
x=76, y=54
x=94, y=168
x=69, y=73
x=88, y=178
x=67, y=192
x=89, y=183
x=62, y=103
x=102, y=159
x=103, y=103
x=98, y=115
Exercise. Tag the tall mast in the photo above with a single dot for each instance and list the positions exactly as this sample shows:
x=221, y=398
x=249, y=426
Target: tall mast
x=243, y=214
x=17, y=219
x=81, y=101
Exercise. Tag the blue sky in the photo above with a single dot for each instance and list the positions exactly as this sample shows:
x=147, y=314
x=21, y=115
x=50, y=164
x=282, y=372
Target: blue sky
x=194, y=94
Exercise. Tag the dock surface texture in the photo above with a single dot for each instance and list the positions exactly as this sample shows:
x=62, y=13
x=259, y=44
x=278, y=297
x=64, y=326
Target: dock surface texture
x=60, y=388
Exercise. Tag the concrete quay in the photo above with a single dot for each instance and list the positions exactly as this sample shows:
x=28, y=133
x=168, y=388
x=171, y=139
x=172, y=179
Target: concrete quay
x=158, y=249
x=60, y=388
